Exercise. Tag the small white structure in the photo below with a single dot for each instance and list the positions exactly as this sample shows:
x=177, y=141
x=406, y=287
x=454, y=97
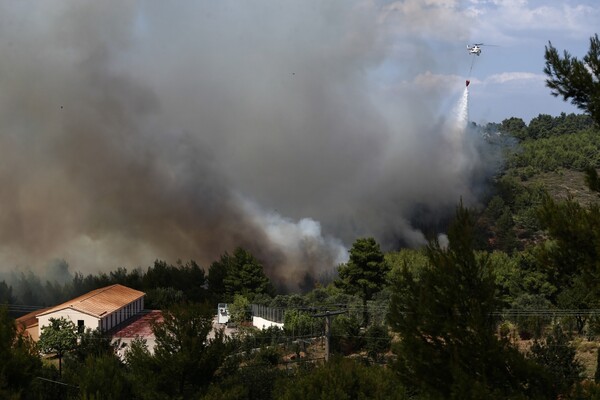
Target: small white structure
x=101, y=309
x=222, y=313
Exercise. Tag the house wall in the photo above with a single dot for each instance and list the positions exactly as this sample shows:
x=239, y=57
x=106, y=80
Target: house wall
x=89, y=321
x=115, y=318
x=34, y=332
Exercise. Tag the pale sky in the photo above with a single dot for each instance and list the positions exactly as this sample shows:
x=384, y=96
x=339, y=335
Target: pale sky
x=507, y=79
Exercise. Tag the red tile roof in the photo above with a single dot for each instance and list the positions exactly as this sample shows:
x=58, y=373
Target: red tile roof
x=139, y=325
x=99, y=302
x=29, y=320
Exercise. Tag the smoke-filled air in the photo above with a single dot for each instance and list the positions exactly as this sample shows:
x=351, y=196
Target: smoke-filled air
x=139, y=130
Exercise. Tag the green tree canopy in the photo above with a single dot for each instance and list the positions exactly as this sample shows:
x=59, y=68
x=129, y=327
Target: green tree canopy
x=365, y=273
x=185, y=358
x=445, y=319
x=20, y=361
x=103, y=377
x=59, y=338
x=239, y=310
x=575, y=246
x=240, y=273
x=162, y=281
x=301, y=323
x=515, y=127
x=95, y=367
x=163, y=297
x=342, y=379
x=574, y=79
x=557, y=354
x=92, y=343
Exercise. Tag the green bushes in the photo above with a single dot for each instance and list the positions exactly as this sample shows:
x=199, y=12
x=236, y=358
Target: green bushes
x=549, y=154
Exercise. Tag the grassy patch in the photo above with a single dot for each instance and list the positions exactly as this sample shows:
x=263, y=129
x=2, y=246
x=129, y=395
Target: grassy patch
x=564, y=184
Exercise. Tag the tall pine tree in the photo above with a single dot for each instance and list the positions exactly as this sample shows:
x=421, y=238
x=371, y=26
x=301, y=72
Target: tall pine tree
x=445, y=319
x=365, y=273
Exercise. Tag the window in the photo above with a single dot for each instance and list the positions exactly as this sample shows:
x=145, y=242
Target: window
x=80, y=326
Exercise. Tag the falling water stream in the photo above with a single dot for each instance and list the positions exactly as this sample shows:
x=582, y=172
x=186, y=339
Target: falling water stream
x=463, y=110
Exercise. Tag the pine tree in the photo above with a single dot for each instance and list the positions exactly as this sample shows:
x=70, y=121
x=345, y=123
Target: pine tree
x=365, y=273
x=574, y=252
x=185, y=359
x=578, y=80
x=445, y=319
x=240, y=273
x=557, y=354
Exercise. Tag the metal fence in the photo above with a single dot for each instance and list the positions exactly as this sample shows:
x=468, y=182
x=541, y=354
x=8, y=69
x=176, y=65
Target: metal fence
x=268, y=313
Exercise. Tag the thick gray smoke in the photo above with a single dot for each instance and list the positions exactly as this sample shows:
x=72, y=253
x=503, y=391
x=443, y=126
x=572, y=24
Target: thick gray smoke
x=131, y=131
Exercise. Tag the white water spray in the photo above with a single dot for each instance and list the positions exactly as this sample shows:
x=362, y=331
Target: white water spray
x=460, y=118
x=455, y=132
x=463, y=110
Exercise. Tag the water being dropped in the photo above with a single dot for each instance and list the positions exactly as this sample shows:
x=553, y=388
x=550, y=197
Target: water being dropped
x=463, y=110
x=455, y=132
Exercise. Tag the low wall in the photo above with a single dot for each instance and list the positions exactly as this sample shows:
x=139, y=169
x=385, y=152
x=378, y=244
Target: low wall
x=262, y=323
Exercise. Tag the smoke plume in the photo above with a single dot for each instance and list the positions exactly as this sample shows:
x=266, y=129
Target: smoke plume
x=136, y=130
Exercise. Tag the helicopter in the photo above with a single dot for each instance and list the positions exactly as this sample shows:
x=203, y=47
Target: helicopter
x=475, y=48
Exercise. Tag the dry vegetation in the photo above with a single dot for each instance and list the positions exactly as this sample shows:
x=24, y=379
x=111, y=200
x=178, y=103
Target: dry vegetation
x=564, y=184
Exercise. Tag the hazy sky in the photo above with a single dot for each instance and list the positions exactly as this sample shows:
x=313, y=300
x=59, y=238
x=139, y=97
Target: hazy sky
x=137, y=130
x=508, y=79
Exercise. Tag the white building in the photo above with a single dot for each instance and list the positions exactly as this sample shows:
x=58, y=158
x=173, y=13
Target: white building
x=101, y=309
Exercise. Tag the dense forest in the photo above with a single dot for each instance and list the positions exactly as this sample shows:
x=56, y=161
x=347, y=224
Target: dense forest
x=507, y=308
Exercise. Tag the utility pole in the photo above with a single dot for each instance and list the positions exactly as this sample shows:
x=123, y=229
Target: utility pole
x=327, y=315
